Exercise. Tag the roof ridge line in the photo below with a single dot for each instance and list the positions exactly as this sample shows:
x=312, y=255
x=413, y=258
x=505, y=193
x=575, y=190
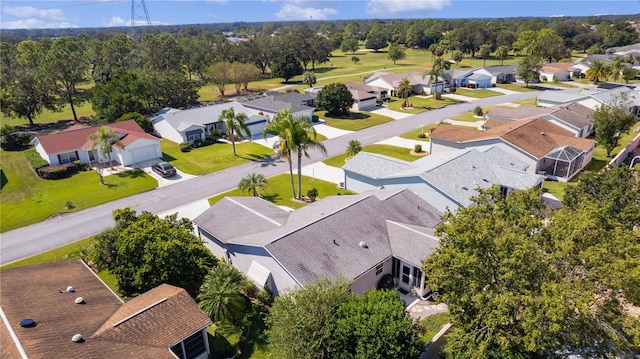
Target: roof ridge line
x=254, y=211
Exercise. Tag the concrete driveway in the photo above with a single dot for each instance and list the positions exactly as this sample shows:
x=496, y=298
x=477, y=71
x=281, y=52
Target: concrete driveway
x=163, y=182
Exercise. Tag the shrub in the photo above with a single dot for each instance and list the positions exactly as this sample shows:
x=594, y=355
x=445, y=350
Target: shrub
x=216, y=135
x=422, y=93
x=422, y=135
x=208, y=141
x=197, y=143
x=57, y=172
x=315, y=118
x=417, y=148
x=81, y=166
x=478, y=111
x=185, y=147
x=35, y=160
x=312, y=194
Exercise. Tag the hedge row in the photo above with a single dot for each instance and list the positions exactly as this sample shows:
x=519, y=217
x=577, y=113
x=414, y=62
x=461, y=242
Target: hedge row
x=60, y=171
x=35, y=160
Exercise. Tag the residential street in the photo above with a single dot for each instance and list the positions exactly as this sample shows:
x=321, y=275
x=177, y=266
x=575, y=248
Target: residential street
x=33, y=239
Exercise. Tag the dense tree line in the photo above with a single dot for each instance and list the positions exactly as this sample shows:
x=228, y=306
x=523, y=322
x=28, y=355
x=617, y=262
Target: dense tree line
x=158, y=69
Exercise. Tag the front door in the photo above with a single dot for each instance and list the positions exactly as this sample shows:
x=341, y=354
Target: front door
x=405, y=277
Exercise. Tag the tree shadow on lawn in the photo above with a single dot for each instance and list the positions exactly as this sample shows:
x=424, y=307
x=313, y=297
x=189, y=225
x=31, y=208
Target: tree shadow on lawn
x=135, y=173
x=168, y=158
x=272, y=197
x=3, y=179
x=264, y=160
x=350, y=116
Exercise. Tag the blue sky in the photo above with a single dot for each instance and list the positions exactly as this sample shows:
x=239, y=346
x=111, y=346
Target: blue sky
x=23, y=14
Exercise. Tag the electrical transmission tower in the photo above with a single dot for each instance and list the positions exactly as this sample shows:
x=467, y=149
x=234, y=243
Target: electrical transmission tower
x=136, y=7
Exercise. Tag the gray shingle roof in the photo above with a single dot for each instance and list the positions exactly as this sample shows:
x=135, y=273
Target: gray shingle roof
x=507, y=69
x=375, y=165
x=330, y=247
x=574, y=114
x=181, y=119
x=273, y=103
x=410, y=243
x=234, y=217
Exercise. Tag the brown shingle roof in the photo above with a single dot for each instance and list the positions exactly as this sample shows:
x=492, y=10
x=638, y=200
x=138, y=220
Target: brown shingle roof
x=516, y=113
x=575, y=114
x=535, y=136
x=77, y=136
x=33, y=292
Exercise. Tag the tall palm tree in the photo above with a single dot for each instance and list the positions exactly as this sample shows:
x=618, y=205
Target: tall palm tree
x=220, y=295
x=282, y=126
x=306, y=139
x=309, y=78
x=254, y=183
x=437, y=71
x=404, y=88
x=235, y=123
x=599, y=70
x=615, y=69
x=104, y=140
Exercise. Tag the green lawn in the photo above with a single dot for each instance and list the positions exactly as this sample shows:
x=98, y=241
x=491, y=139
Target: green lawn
x=431, y=325
x=517, y=87
x=470, y=116
x=529, y=101
x=354, y=121
x=414, y=134
x=27, y=198
x=212, y=158
x=477, y=93
x=82, y=110
x=279, y=190
x=420, y=104
x=400, y=153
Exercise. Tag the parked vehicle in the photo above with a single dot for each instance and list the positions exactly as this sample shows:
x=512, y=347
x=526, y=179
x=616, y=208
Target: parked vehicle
x=164, y=169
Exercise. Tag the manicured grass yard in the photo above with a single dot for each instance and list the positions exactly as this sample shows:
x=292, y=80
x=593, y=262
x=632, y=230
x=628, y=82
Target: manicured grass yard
x=517, y=87
x=477, y=93
x=420, y=104
x=470, y=116
x=354, y=121
x=27, y=198
x=400, y=153
x=431, y=325
x=82, y=110
x=279, y=190
x=212, y=158
x=413, y=135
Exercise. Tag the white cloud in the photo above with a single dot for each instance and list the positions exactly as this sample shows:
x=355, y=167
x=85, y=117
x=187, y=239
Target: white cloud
x=293, y=12
x=36, y=24
x=30, y=12
x=117, y=21
x=404, y=6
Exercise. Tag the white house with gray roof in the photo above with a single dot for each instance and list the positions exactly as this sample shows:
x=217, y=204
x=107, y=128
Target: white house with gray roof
x=272, y=102
x=445, y=179
x=198, y=123
x=365, y=238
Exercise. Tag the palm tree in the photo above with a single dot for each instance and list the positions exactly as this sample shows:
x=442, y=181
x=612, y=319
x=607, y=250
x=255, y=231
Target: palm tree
x=234, y=123
x=306, y=138
x=220, y=295
x=104, y=139
x=404, y=88
x=354, y=147
x=615, y=69
x=282, y=127
x=628, y=74
x=254, y=183
x=309, y=78
x=437, y=71
x=599, y=70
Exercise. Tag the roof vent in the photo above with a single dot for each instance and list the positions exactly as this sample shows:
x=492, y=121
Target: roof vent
x=363, y=244
x=70, y=289
x=542, y=133
x=77, y=338
x=80, y=300
x=27, y=323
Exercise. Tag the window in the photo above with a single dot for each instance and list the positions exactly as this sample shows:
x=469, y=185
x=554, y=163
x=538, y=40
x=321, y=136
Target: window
x=68, y=157
x=191, y=347
x=194, y=137
x=379, y=268
x=406, y=271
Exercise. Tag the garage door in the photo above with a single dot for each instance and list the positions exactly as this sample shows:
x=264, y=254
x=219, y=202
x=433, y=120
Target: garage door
x=143, y=154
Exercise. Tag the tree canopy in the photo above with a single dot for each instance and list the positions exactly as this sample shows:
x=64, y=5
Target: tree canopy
x=335, y=98
x=522, y=279
x=325, y=320
x=612, y=120
x=144, y=251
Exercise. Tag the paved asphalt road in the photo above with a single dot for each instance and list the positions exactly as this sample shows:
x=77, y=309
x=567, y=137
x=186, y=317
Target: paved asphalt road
x=39, y=237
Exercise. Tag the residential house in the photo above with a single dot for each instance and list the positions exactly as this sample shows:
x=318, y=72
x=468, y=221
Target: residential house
x=361, y=238
x=446, y=180
x=558, y=71
x=365, y=97
x=63, y=310
x=548, y=149
x=555, y=98
x=482, y=77
x=271, y=102
x=501, y=74
x=391, y=82
x=198, y=123
x=73, y=144
x=572, y=116
x=478, y=80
